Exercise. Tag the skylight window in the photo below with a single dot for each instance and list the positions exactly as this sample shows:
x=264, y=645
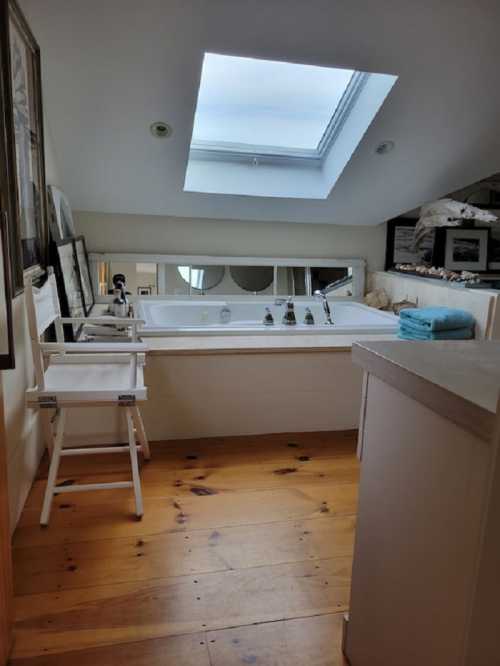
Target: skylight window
x=261, y=104
x=299, y=124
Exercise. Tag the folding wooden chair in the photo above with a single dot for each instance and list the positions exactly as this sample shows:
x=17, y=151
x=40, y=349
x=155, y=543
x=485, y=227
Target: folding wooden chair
x=84, y=374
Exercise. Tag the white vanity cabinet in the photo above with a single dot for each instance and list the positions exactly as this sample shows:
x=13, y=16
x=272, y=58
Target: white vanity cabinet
x=426, y=573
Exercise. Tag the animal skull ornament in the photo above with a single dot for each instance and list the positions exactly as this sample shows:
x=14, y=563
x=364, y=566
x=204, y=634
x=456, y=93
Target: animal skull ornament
x=448, y=213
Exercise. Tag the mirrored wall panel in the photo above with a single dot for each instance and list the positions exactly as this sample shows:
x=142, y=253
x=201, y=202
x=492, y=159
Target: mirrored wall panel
x=202, y=278
x=336, y=281
x=253, y=279
x=141, y=278
x=168, y=278
x=292, y=281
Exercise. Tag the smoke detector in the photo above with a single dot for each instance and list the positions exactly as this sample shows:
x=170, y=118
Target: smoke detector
x=161, y=130
x=385, y=147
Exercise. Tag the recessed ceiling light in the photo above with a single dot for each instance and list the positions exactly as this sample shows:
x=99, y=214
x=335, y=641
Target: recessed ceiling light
x=161, y=130
x=384, y=147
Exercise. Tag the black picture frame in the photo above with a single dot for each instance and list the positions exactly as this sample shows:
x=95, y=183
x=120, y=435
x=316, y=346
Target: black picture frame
x=69, y=285
x=28, y=232
x=477, y=237
x=406, y=255
x=7, y=210
x=7, y=355
x=86, y=286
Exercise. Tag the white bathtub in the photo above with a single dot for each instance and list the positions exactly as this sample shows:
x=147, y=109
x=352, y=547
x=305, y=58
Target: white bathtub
x=211, y=317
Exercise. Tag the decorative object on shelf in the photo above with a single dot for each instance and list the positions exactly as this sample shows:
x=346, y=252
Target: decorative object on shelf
x=466, y=249
x=29, y=233
x=61, y=223
x=377, y=299
x=403, y=305
x=438, y=273
x=400, y=248
x=144, y=291
x=448, y=213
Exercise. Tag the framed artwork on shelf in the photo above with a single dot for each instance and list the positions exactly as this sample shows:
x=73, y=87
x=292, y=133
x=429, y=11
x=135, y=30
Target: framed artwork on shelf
x=83, y=266
x=399, y=244
x=69, y=284
x=23, y=99
x=494, y=250
x=61, y=225
x=466, y=249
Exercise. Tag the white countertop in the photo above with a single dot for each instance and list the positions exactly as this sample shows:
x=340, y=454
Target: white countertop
x=460, y=380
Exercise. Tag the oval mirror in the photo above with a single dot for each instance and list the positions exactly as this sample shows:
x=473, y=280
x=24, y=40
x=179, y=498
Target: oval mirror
x=202, y=278
x=252, y=278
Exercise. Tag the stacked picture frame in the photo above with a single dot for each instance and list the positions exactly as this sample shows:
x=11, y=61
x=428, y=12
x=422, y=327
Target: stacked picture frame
x=69, y=257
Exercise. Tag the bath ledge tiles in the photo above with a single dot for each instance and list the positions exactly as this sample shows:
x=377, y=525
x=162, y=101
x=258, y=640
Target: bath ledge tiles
x=256, y=344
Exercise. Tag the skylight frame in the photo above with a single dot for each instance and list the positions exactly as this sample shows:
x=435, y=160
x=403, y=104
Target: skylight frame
x=257, y=154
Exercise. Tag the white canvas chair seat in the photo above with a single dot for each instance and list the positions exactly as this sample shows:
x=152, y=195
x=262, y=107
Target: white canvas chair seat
x=78, y=382
x=83, y=375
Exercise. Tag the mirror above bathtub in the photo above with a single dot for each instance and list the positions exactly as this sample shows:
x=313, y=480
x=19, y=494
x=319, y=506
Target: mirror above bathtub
x=253, y=279
x=141, y=277
x=202, y=278
x=336, y=280
x=194, y=276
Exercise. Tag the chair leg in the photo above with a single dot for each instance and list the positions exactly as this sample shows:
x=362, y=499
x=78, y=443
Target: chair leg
x=53, y=469
x=136, y=479
x=47, y=430
x=141, y=433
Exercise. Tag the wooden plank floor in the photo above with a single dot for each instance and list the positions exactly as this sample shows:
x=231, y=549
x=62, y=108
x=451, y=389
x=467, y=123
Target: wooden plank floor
x=243, y=557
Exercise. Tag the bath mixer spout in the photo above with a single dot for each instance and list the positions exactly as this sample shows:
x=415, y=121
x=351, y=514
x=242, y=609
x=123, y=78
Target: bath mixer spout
x=326, y=307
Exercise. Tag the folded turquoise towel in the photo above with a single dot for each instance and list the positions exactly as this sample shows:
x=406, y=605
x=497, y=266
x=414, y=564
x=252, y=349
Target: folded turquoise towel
x=411, y=333
x=438, y=318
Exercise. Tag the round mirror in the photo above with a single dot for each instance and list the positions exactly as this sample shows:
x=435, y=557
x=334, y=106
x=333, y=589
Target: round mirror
x=202, y=278
x=252, y=278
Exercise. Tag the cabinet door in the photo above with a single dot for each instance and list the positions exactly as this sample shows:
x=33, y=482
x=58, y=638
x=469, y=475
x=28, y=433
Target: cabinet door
x=419, y=520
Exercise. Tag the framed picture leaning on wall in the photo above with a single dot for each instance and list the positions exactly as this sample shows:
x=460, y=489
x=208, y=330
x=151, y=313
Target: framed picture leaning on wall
x=61, y=223
x=23, y=100
x=82, y=261
x=466, y=249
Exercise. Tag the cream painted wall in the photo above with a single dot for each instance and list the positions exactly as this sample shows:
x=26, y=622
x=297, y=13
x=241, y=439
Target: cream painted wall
x=169, y=235
x=24, y=445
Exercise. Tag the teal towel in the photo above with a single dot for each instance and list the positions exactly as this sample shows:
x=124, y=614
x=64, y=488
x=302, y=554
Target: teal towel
x=437, y=319
x=409, y=333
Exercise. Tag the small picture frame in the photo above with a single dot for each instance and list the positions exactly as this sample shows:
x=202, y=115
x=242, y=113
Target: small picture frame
x=466, y=249
x=144, y=291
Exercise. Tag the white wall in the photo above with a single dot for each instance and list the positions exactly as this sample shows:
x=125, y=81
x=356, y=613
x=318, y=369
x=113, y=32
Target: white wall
x=106, y=232
x=24, y=445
